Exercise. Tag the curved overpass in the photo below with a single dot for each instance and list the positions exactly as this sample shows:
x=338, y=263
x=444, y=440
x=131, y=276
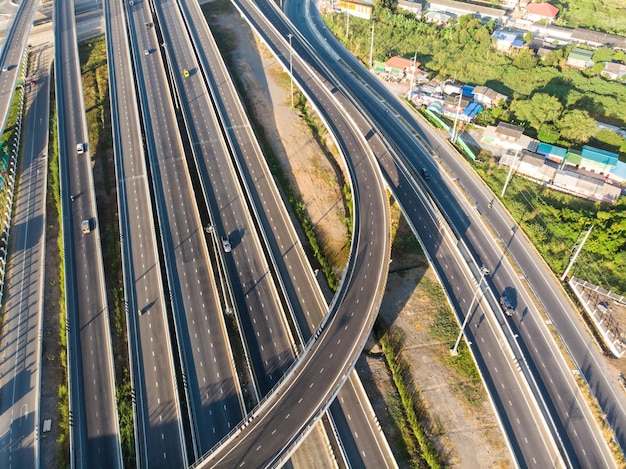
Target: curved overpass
x=310, y=385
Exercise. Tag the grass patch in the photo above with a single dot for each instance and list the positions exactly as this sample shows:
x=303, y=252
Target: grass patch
x=415, y=423
x=445, y=329
x=54, y=192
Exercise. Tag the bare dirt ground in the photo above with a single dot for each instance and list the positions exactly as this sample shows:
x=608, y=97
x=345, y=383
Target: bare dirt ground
x=468, y=437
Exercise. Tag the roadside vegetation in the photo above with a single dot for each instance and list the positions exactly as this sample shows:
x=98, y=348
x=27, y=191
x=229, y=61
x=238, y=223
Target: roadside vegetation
x=554, y=220
x=96, y=94
x=418, y=429
x=416, y=437
x=552, y=102
x=598, y=15
x=54, y=218
x=464, y=51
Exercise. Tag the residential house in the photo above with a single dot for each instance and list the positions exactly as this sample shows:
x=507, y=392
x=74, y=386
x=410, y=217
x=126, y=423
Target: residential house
x=584, y=185
x=398, y=67
x=361, y=9
x=530, y=164
x=545, y=49
x=618, y=174
x=507, y=41
x=452, y=87
x=455, y=104
x=464, y=8
x=580, y=58
x=592, y=159
x=614, y=71
x=598, y=38
x=541, y=12
x=575, y=182
x=438, y=17
x=488, y=97
x=509, y=136
x=552, y=152
x=411, y=6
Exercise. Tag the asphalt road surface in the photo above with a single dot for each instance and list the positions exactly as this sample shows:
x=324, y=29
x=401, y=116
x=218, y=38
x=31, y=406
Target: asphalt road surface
x=94, y=431
x=20, y=368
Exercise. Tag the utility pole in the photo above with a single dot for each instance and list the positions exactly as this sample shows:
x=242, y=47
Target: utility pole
x=372, y=46
x=483, y=272
x=508, y=177
x=413, y=74
x=456, y=117
x=291, y=67
x=573, y=259
x=347, y=24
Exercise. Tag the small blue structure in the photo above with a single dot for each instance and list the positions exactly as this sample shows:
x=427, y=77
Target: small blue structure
x=552, y=152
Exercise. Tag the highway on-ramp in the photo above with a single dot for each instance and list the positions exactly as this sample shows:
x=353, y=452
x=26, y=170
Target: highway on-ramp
x=307, y=390
x=523, y=417
x=575, y=427
x=11, y=55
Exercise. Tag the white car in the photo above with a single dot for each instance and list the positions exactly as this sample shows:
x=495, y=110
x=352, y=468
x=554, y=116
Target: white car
x=226, y=244
x=80, y=148
x=146, y=52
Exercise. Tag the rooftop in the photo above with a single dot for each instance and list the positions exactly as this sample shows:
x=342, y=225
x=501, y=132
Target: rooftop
x=400, y=63
x=509, y=130
x=581, y=54
x=599, y=156
x=542, y=9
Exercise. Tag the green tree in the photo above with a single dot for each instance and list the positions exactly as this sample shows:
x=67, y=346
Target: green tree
x=577, y=125
x=525, y=60
x=528, y=37
x=541, y=108
x=548, y=133
x=385, y=4
x=603, y=54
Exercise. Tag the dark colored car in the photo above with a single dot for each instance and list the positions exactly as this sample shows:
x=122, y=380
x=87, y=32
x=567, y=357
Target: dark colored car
x=506, y=305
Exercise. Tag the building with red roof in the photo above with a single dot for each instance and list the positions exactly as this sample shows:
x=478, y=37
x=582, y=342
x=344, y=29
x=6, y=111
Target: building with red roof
x=541, y=11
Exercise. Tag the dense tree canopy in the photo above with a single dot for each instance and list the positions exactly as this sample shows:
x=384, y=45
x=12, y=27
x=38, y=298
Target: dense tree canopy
x=577, y=125
x=539, y=109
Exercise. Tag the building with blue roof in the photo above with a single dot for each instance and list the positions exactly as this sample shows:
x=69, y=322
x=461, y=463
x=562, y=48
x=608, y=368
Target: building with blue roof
x=507, y=40
x=592, y=159
x=618, y=173
x=552, y=152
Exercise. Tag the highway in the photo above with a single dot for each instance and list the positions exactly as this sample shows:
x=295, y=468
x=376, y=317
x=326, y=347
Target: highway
x=289, y=411
x=304, y=300
x=268, y=338
x=94, y=431
x=210, y=381
x=576, y=429
x=22, y=307
x=159, y=432
x=539, y=446
x=11, y=55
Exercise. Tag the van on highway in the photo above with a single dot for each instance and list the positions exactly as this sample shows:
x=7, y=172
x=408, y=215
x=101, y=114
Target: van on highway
x=80, y=148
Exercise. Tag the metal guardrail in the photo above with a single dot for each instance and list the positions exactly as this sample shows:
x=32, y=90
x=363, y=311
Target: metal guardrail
x=8, y=190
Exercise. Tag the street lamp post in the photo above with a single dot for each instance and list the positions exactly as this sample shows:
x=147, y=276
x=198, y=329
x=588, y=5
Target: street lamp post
x=483, y=272
x=290, y=67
